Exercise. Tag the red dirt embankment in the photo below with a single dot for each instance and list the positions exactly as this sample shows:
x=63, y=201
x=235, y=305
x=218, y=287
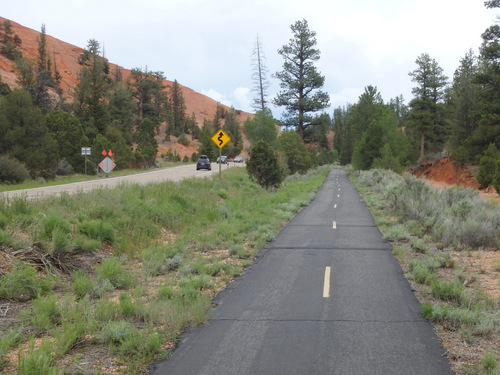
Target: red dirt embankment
x=445, y=173
x=65, y=56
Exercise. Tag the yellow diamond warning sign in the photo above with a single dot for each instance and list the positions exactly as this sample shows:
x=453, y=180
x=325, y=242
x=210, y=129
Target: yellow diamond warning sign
x=220, y=138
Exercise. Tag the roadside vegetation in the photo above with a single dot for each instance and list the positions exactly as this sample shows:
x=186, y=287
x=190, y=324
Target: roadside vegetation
x=442, y=240
x=105, y=281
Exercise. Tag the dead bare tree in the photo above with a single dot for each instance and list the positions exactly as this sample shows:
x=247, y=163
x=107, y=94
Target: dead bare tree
x=259, y=77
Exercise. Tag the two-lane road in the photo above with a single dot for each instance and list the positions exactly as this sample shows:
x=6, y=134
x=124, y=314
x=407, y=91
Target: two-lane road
x=153, y=176
x=326, y=297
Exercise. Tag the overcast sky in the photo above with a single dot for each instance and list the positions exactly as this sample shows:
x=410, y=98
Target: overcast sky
x=207, y=44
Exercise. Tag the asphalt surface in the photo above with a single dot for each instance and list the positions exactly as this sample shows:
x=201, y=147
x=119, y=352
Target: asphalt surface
x=151, y=176
x=326, y=297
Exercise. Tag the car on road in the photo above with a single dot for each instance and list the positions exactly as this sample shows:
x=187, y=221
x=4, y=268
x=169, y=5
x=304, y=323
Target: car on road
x=222, y=159
x=238, y=160
x=203, y=163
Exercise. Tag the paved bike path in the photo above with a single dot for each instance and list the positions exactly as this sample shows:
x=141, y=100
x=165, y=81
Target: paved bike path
x=326, y=297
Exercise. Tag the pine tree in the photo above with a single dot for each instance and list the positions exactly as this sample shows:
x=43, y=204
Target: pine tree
x=426, y=117
x=464, y=104
x=147, y=146
x=9, y=41
x=178, y=107
x=263, y=165
x=91, y=106
x=232, y=128
x=44, y=78
x=488, y=77
x=300, y=81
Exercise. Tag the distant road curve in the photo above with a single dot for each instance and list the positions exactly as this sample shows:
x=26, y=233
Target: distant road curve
x=154, y=176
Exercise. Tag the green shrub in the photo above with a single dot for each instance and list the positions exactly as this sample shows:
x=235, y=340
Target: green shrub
x=12, y=170
x=165, y=292
x=183, y=140
x=60, y=241
x=418, y=245
x=23, y=283
x=489, y=362
x=397, y=233
x=83, y=284
x=20, y=206
x=195, y=282
x=426, y=310
x=454, y=217
x=420, y=273
x=141, y=346
x=239, y=251
x=70, y=334
x=5, y=238
x=105, y=311
x=8, y=340
x=114, y=332
x=45, y=313
x=54, y=222
x=112, y=270
x=97, y=229
x=161, y=260
x=127, y=306
x=38, y=361
x=447, y=291
x=3, y=220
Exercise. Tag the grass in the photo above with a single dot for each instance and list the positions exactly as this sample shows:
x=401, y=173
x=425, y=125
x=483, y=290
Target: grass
x=155, y=256
x=426, y=227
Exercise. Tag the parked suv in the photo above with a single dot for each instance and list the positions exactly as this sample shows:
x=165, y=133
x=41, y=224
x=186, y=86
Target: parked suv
x=203, y=163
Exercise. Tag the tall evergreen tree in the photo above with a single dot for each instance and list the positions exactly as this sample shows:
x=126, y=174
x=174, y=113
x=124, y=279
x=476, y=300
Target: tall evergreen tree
x=426, y=117
x=399, y=107
x=300, y=81
x=357, y=120
x=207, y=146
x=25, y=135
x=147, y=146
x=193, y=127
x=382, y=144
x=232, y=128
x=342, y=140
x=44, y=78
x=9, y=41
x=91, y=105
x=122, y=109
x=464, y=103
x=149, y=92
x=178, y=106
x=488, y=129
x=69, y=136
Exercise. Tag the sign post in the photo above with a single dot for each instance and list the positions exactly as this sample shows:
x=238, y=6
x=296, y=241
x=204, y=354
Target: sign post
x=85, y=151
x=220, y=139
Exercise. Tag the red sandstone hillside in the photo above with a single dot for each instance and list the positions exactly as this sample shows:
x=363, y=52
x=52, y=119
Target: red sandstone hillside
x=65, y=57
